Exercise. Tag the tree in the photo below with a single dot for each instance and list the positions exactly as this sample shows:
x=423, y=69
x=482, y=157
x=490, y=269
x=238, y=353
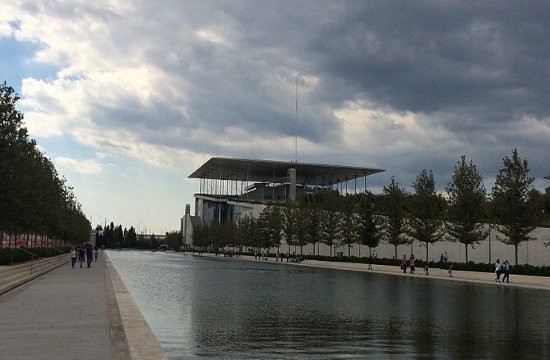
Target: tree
x=330, y=231
x=247, y=231
x=546, y=204
x=427, y=207
x=349, y=224
x=394, y=211
x=368, y=231
x=33, y=199
x=289, y=224
x=302, y=227
x=515, y=202
x=270, y=227
x=466, y=209
x=313, y=220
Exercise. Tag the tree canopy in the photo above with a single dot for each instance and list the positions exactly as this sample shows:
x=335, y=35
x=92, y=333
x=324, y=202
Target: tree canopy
x=466, y=211
x=516, y=205
x=33, y=197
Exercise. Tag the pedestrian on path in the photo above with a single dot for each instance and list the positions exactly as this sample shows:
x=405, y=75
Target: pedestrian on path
x=81, y=254
x=451, y=270
x=96, y=251
x=89, y=254
x=411, y=263
x=74, y=255
x=498, y=270
x=506, y=268
x=404, y=264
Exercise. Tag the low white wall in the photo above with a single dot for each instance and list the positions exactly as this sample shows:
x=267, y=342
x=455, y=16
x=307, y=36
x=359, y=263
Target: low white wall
x=533, y=252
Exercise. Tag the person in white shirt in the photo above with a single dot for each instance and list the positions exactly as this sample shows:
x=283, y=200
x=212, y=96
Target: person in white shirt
x=506, y=269
x=498, y=270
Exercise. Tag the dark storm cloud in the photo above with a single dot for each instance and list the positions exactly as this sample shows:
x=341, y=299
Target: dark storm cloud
x=472, y=63
x=485, y=59
x=469, y=72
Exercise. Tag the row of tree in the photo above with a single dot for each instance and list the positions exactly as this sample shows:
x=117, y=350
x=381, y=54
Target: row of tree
x=34, y=199
x=112, y=236
x=396, y=216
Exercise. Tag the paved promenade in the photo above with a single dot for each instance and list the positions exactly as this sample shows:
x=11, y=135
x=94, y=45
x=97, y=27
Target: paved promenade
x=524, y=281
x=82, y=313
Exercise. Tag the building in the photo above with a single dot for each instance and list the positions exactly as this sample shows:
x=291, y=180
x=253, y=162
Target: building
x=230, y=188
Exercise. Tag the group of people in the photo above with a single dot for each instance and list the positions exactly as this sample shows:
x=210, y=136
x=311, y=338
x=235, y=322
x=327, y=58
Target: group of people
x=83, y=253
x=500, y=269
x=410, y=263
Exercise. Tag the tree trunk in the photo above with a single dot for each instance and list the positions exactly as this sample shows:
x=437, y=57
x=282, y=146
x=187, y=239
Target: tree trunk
x=466, y=253
x=516, y=253
x=427, y=251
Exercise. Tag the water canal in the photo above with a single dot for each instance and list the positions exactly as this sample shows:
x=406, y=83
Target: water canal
x=231, y=309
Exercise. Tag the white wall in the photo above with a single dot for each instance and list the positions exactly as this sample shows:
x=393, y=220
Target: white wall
x=532, y=252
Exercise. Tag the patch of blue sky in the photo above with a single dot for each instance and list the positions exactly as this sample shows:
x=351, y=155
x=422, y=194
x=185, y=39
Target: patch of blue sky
x=17, y=63
x=54, y=147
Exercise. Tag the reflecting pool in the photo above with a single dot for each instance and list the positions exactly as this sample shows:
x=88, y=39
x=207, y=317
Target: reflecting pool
x=231, y=309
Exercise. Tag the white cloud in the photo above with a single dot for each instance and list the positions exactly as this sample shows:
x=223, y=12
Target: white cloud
x=83, y=167
x=169, y=84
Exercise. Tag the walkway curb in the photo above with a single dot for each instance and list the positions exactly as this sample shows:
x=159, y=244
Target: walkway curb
x=22, y=274
x=141, y=342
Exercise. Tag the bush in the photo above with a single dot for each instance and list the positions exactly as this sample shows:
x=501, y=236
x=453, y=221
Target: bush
x=19, y=255
x=469, y=266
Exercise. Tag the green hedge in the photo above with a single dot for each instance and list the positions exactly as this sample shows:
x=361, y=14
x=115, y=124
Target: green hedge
x=470, y=266
x=22, y=256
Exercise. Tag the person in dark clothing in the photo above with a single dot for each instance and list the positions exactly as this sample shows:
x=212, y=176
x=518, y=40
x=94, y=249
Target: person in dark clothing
x=81, y=255
x=506, y=269
x=89, y=255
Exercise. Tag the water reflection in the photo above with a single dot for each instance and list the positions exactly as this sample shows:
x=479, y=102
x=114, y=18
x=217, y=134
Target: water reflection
x=225, y=308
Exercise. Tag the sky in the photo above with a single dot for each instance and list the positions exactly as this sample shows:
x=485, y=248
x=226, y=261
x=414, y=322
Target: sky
x=128, y=98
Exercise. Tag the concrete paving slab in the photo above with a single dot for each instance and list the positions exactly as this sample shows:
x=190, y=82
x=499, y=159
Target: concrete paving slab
x=60, y=315
x=81, y=313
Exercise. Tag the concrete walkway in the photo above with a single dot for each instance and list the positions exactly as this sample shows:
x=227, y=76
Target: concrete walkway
x=524, y=281
x=82, y=313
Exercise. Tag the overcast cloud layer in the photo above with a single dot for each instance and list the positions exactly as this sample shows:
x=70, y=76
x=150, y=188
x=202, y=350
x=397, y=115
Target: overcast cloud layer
x=154, y=89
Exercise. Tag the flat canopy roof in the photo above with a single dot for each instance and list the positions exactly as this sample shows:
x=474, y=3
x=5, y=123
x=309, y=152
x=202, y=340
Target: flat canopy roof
x=275, y=171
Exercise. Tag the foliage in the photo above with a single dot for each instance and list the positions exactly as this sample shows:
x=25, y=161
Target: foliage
x=270, y=226
x=174, y=239
x=289, y=224
x=516, y=204
x=394, y=211
x=33, y=198
x=427, y=207
x=349, y=224
x=19, y=255
x=368, y=230
x=466, y=208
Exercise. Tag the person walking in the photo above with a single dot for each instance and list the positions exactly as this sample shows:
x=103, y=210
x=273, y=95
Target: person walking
x=498, y=270
x=411, y=263
x=506, y=269
x=89, y=255
x=96, y=252
x=451, y=270
x=74, y=255
x=404, y=264
x=81, y=254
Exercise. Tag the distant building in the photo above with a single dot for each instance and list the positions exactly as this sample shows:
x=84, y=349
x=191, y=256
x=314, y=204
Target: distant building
x=231, y=188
